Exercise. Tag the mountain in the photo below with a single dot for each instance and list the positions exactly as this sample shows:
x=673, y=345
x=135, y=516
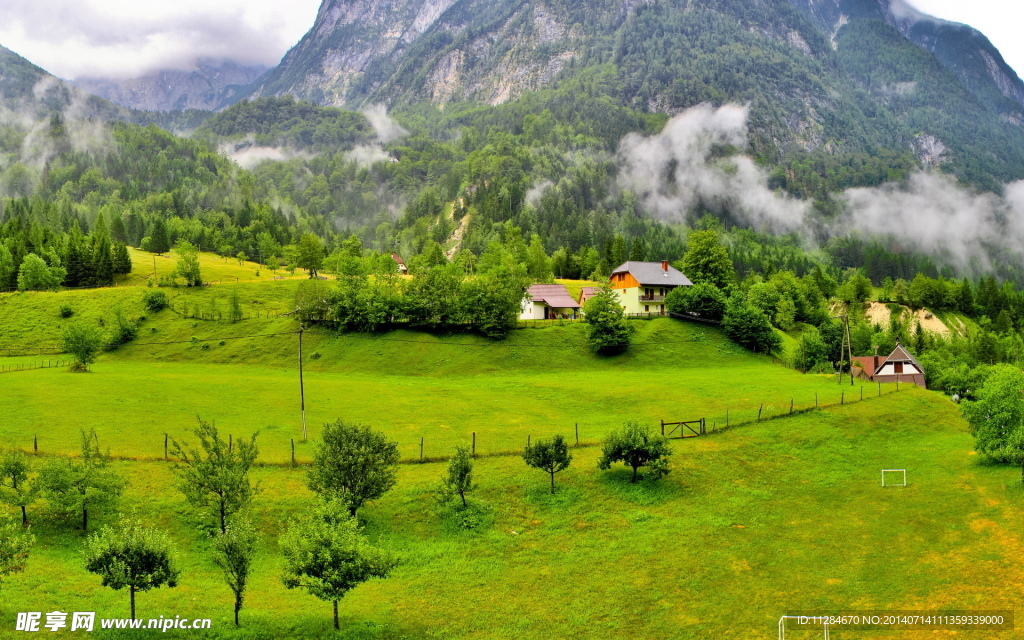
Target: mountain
x=828, y=77
x=960, y=48
x=214, y=84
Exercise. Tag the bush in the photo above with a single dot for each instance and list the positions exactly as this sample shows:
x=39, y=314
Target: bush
x=155, y=300
x=750, y=328
x=122, y=332
x=704, y=300
x=66, y=311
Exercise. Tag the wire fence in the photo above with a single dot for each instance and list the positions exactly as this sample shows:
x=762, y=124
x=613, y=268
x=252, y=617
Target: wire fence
x=29, y=366
x=437, y=444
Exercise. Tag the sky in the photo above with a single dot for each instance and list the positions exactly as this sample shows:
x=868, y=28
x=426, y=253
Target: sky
x=129, y=38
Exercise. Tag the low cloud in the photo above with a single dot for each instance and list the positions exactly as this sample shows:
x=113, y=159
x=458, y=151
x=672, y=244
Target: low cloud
x=681, y=169
x=685, y=168
x=386, y=127
x=366, y=155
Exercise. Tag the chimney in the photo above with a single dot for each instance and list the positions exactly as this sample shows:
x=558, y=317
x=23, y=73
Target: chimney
x=664, y=265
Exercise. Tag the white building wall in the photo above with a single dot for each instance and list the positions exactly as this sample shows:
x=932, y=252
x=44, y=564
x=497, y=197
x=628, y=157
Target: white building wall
x=889, y=369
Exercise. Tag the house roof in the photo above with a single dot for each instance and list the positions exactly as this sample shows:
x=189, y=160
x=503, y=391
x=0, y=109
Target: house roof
x=553, y=295
x=397, y=258
x=899, y=354
x=652, y=273
x=586, y=293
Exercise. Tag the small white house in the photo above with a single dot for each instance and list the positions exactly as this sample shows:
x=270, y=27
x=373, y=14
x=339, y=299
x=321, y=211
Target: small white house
x=548, y=301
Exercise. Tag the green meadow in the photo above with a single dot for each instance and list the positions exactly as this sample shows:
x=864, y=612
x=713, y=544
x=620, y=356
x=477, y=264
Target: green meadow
x=769, y=516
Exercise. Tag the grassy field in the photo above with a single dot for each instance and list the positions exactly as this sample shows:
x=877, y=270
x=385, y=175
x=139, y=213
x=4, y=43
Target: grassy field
x=409, y=385
x=213, y=268
x=754, y=521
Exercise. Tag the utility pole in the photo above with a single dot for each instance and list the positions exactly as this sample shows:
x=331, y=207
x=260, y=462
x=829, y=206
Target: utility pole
x=302, y=387
x=846, y=349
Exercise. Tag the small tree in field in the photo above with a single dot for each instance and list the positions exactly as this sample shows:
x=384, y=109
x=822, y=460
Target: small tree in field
x=83, y=342
x=15, y=543
x=233, y=552
x=550, y=455
x=327, y=555
x=637, y=447
x=78, y=485
x=188, y=264
x=131, y=555
x=460, y=476
x=216, y=475
x=15, y=487
x=353, y=464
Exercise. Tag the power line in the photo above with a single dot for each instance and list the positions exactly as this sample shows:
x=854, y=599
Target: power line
x=56, y=349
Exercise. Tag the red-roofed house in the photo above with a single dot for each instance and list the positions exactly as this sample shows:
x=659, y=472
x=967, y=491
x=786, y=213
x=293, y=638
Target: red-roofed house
x=400, y=263
x=546, y=301
x=586, y=293
x=898, y=366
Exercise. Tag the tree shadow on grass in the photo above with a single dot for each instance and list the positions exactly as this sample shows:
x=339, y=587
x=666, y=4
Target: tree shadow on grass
x=643, y=492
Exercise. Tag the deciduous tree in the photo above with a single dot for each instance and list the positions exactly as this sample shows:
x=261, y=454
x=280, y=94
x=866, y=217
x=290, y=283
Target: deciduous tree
x=188, y=264
x=551, y=456
x=460, y=475
x=16, y=489
x=637, y=447
x=327, y=555
x=78, y=485
x=233, y=552
x=131, y=555
x=997, y=415
x=215, y=476
x=83, y=342
x=353, y=464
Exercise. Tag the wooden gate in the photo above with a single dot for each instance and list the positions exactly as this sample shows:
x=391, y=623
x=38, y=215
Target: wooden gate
x=695, y=428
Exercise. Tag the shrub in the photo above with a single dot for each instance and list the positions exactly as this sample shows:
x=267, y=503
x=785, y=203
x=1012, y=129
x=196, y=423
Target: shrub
x=66, y=311
x=155, y=300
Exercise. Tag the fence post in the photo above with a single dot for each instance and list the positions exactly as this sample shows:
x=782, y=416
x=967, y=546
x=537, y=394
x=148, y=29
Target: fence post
x=815, y=400
x=727, y=417
x=293, y=452
x=230, y=443
x=165, y=447
x=35, y=444
x=421, y=448
x=862, y=392
x=879, y=389
x=577, y=434
x=791, y=406
x=842, y=398
x=759, y=412
x=527, y=442
x=474, y=444
x=662, y=427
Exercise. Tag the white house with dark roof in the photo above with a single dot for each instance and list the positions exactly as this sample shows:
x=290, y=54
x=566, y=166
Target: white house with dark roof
x=899, y=366
x=642, y=286
x=547, y=301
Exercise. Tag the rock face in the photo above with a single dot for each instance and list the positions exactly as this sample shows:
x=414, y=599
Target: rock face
x=348, y=37
x=439, y=50
x=212, y=86
x=962, y=49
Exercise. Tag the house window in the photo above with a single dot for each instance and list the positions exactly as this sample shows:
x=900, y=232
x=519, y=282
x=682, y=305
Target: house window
x=647, y=308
